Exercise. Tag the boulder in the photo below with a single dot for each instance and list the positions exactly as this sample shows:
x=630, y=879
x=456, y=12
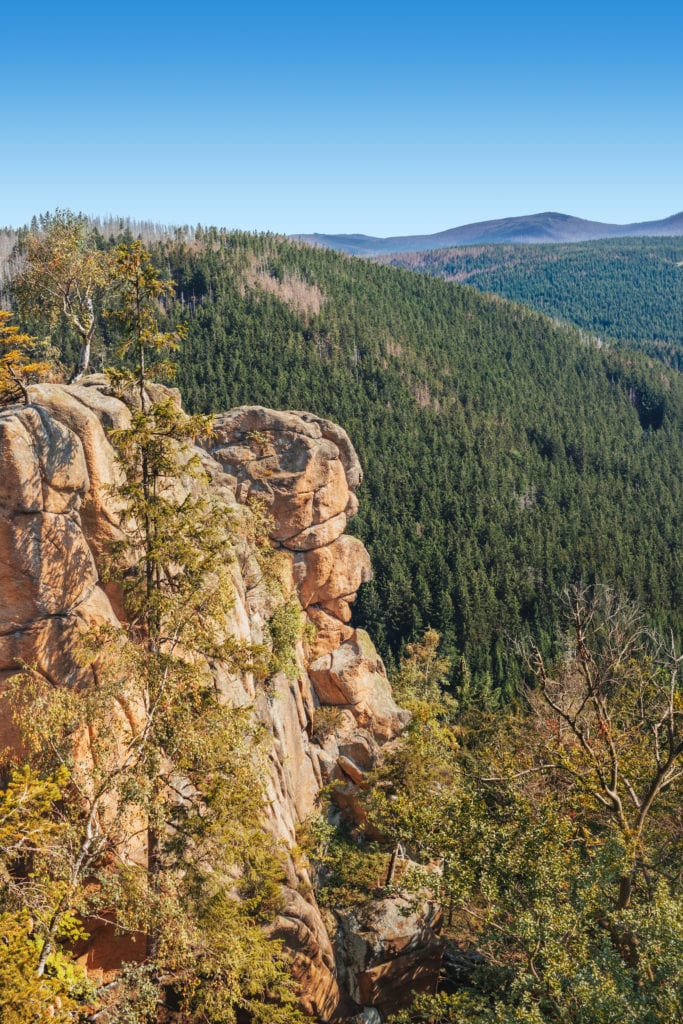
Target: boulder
x=354, y=676
x=336, y=571
x=43, y=465
x=88, y=413
x=319, y=535
x=351, y=769
x=329, y=631
x=290, y=465
x=301, y=927
x=390, y=948
x=46, y=565
x=347, y=453
x=360, y=747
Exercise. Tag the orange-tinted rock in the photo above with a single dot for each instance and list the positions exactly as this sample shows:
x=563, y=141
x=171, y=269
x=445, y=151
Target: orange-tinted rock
x=58, y=515
x=319, y=535
x=348, y=798
x=351, y=769
x=50, y=644
x=330, y=632
x=48, y=579
x=354, y=676
x=335, y=571
x=108, y=948
x=339, y=607
x=46, y=567
x=347, y=453
x=287, y=463
x=300, y=788
x=43, y=467
x=391, y=985
x=88, y=413
x=360, y=746
x=301, y=927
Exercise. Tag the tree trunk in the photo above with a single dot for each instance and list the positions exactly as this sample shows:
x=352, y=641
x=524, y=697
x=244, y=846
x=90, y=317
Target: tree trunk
x=625, y=887
x=153, y=878
x=392, y=864
x=83, y=361
x=87, y=329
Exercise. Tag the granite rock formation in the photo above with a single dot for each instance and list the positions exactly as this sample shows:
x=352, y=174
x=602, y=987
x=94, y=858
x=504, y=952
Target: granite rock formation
x=390, y=947
x=57, y=516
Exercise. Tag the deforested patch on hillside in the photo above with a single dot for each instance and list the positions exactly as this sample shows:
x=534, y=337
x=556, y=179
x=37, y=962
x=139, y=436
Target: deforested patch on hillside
x=291, y=288
x=458, y=403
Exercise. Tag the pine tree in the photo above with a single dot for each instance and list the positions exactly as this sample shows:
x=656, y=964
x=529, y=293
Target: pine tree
x=202, y=879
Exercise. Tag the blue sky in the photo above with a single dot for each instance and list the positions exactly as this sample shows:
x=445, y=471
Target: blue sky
x=379, y=118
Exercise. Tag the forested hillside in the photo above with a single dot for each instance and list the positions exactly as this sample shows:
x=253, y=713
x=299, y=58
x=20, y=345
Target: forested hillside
x=628, y=289
x=505, y=456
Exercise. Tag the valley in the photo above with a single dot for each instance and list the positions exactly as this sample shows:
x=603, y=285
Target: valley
x=342, y=616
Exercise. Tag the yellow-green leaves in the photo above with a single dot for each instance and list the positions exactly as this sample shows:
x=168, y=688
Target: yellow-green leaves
x=137, y=296
x=26, y=998
x=556, y=828
x=420, y=683
x=62, y=277
x=20, y=361
x=34, y=837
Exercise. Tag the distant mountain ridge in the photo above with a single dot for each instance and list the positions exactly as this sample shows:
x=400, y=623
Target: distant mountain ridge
x=537, y=227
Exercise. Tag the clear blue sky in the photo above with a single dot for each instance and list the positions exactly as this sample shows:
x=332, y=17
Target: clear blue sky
x=379, y=118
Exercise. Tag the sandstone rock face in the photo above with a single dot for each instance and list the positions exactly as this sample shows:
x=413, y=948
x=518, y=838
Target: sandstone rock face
x=57, y=517
x=353, y=676
x=88, y=412
x=288, y=463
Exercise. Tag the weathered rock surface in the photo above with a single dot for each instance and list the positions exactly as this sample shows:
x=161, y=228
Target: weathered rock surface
x=388, y=948
x=353, y=676
x=306, y=471
x=57, y=516
x=48, y=578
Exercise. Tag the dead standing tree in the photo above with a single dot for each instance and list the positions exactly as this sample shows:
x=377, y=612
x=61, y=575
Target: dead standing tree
x=616, y=722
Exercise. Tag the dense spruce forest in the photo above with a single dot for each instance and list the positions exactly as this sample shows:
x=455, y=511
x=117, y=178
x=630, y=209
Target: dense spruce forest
x=626, y=289
x=505, y=455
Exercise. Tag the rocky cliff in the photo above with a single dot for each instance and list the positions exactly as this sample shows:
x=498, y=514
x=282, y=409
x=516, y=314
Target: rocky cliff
x=57, y=516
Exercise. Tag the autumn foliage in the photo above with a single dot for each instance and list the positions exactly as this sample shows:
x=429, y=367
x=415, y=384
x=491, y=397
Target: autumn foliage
x=19, y=362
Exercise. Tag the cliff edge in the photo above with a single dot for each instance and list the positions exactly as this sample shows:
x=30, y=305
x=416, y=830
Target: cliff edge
x=57, y=517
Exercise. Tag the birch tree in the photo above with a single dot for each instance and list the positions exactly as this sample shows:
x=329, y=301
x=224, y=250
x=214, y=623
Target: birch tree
x=62, y=277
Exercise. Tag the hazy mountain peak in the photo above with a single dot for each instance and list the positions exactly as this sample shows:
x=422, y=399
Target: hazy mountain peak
x=549, y=226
